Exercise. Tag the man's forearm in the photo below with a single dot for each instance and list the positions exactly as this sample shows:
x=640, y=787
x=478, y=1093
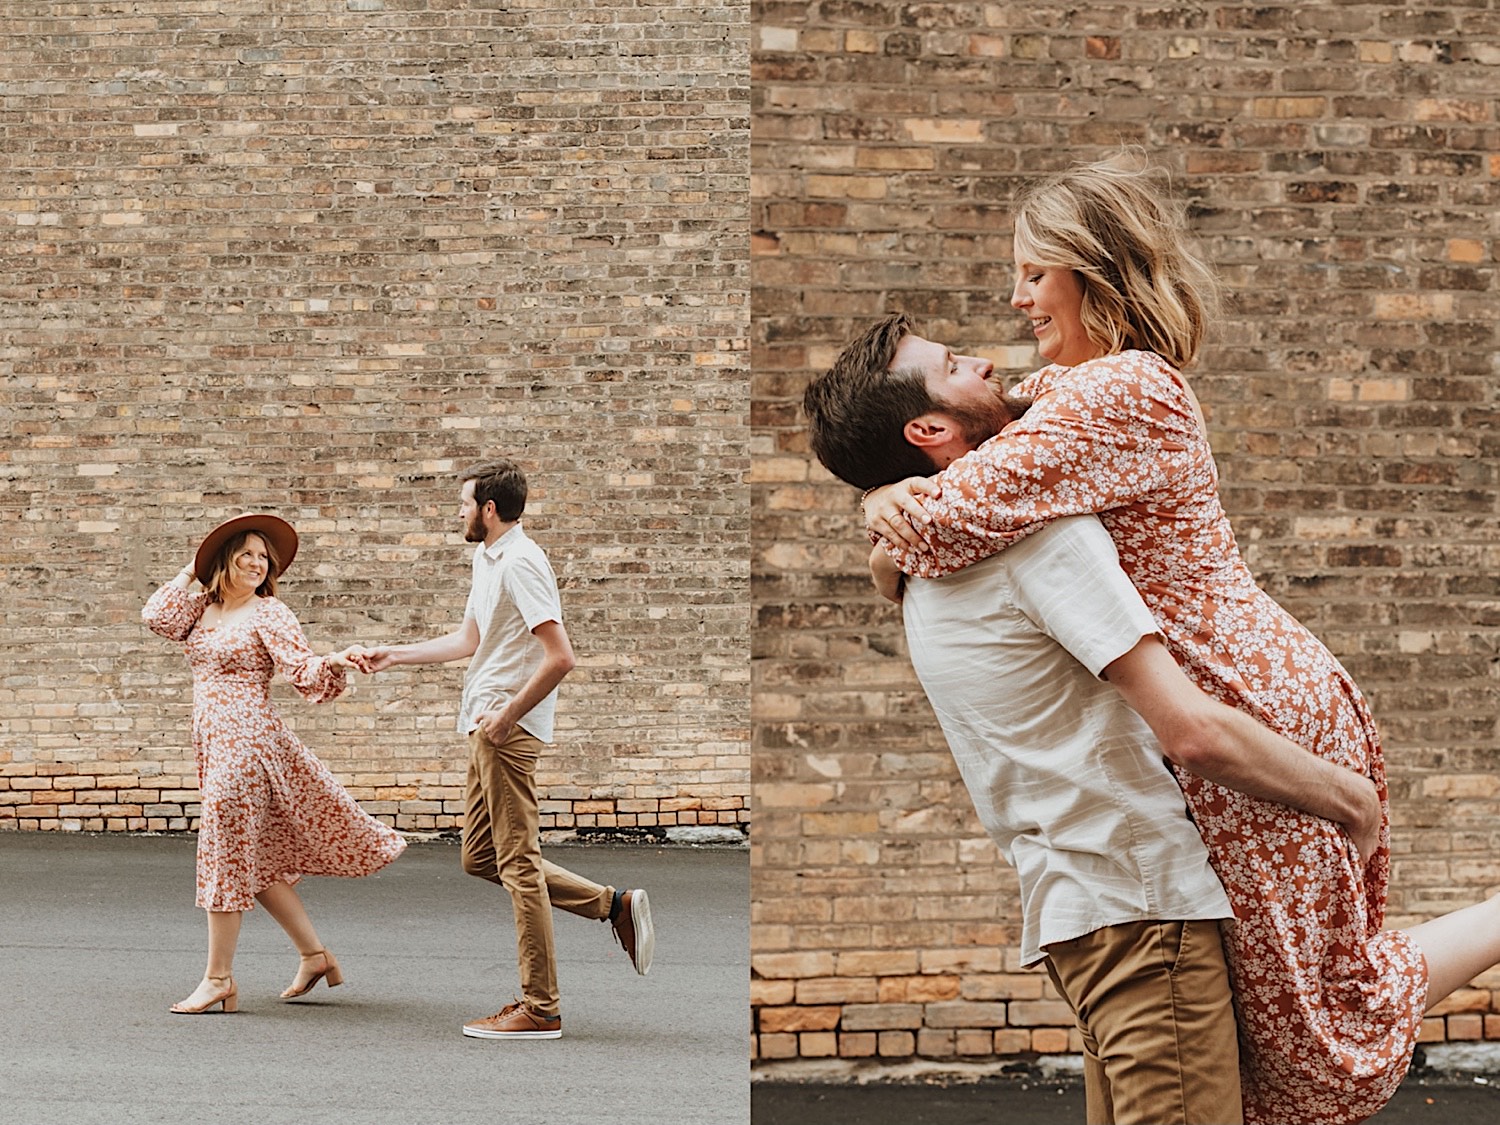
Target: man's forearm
x=439, y=650
x=541, y=684
x=1255, y=760
x=1228, y=747
x=888, y=579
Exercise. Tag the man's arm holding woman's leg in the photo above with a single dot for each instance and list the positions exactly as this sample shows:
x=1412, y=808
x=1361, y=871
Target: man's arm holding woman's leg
x=1228, y=747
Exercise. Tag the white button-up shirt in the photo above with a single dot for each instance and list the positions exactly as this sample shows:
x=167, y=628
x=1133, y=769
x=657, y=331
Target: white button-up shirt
x=513, y=592
x=1066, y=778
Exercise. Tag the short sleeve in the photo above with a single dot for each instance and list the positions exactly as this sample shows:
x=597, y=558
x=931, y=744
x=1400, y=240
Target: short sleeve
x=173, y=612
x=315, y=677
x=1069, y=582
x=533, y=588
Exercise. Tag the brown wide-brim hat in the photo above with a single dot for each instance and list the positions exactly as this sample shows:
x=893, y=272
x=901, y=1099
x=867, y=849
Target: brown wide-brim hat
x=277, y=532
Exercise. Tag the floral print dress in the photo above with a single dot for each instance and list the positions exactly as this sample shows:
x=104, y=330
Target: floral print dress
x=1328, y=1004
x=270, y=809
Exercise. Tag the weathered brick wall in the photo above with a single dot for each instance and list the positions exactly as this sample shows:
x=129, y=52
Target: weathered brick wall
x=313, y=259
x=1344, y=167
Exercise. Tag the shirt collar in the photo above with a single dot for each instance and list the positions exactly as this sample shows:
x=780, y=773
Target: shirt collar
x=496, y=550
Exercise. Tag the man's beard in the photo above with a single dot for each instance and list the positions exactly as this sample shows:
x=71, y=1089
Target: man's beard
x=980, y=423
x=474, y=530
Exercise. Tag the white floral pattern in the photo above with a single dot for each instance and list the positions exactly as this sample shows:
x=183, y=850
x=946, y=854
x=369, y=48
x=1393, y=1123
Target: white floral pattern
x=1329, y=1005
x=270, y=809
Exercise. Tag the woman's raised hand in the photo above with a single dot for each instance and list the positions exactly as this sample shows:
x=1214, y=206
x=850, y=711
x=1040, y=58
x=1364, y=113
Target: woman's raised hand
x=894, y=513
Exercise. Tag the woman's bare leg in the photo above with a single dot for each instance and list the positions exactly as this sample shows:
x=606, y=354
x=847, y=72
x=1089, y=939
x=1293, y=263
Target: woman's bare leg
x=223, y=937
x=284, y=904
x=1458, y=947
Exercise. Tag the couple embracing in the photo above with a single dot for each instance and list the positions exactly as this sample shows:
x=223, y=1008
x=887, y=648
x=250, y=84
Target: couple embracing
x=1189, y=785
x=271, y=812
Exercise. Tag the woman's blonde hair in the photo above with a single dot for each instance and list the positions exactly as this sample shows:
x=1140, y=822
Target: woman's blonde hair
x=218, y=572
x=1143, y=285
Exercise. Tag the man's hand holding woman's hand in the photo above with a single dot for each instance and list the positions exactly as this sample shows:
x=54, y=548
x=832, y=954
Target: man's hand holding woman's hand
x=362, y=659
x=895, y=513
x=351, y=657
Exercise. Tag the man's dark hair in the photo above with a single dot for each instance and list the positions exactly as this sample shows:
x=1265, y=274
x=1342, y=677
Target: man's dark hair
x=858, y=409
x=502, y=481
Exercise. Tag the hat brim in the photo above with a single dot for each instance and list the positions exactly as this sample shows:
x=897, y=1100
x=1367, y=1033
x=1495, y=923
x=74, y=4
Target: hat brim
x=276, y=531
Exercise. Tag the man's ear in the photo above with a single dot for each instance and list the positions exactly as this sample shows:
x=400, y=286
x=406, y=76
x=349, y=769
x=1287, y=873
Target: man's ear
x=928, y=431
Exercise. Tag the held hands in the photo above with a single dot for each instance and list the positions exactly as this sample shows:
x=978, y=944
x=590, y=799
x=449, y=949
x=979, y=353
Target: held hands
x=362, y=659
x=350, y=657
x=894, y=512
x=377, y=659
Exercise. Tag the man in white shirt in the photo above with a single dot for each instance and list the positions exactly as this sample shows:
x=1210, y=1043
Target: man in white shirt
x=1117, y=896
x=513, y=631
x=1116, y=893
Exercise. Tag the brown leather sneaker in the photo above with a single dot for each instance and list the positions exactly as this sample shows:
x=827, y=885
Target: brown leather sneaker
x=515, y=1021
x=633, y=930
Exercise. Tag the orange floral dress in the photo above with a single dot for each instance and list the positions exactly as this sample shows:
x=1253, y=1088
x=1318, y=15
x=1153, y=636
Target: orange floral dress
x=1328, y=1004
x=270, y=809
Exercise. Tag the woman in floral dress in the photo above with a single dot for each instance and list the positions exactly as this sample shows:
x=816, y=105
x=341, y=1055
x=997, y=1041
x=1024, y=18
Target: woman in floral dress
x=1329, y=1005
x=271, y=812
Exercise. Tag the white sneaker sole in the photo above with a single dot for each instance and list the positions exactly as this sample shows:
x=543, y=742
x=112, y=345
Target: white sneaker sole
x=645, y=933
x=475, y=1033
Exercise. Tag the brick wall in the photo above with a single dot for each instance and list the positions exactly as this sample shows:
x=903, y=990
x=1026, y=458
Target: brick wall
x=314, y=258
x=1344, y=167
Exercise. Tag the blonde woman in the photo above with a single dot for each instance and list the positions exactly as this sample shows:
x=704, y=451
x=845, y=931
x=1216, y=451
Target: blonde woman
x=271, y=812
x=1329, y=1005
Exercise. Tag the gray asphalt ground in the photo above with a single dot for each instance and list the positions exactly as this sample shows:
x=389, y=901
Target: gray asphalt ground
x=1435, y=1100
x=98, y=935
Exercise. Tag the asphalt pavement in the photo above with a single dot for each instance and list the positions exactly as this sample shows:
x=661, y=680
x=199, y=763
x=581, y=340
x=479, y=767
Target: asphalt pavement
x=98, y=935
x=1448, y=1099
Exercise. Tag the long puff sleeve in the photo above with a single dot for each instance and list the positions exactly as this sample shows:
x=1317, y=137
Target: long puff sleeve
x=173, y=612
x=1105, y=434
x=315, y=677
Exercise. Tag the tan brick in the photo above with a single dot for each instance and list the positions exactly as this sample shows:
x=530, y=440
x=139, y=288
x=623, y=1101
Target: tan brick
x=817, y=1045
x=772, y=993
x=1465, y=1027
x=799, y=1018
x=778, y=1046
x=968, y=1013
x=792, y=965
x=838, y=990
x=919, y=989
x=1050, y=1041
x=1034, y=1013
x=877, y=963
x=857, y=1045
x=881, y=1017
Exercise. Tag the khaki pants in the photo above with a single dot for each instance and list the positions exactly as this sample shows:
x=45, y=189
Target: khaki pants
x=1153, y=1003
x=502, y=843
